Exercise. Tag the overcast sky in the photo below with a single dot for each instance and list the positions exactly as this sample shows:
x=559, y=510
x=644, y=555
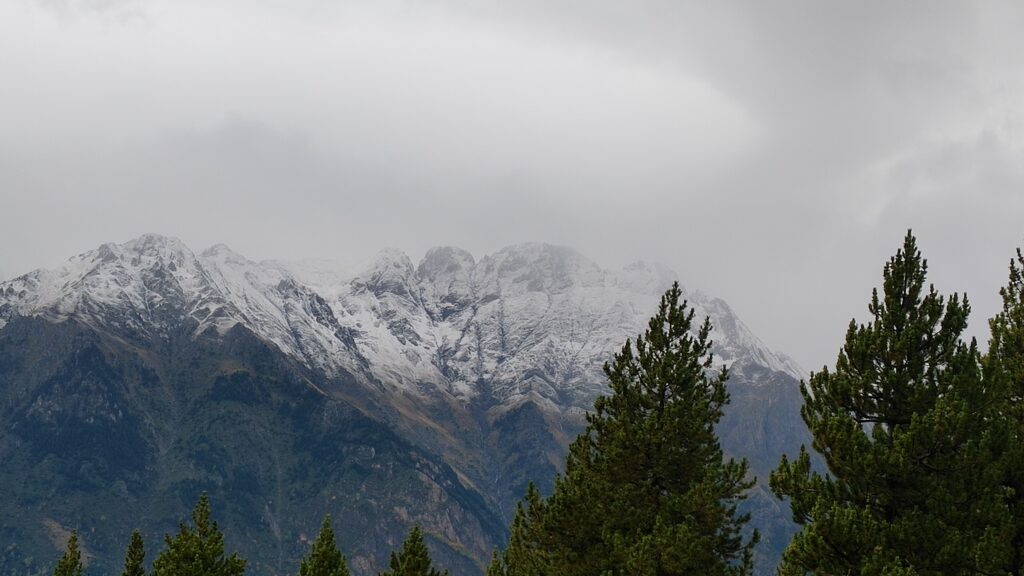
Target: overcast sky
x=772, y=153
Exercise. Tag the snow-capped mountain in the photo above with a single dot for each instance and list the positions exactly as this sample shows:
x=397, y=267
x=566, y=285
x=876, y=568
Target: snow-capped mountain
x=146, y=286
x=403, y=393
x=530, y=321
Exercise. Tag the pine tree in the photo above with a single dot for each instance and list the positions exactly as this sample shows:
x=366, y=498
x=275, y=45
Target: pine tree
x=197, y=550
x=497, y=566
x=135, y=557
x=70, y=564
x=646, y=490
x=324, y=559
x=903, y=426
x=526, y=553
x=1004, y=366
x=414, y=559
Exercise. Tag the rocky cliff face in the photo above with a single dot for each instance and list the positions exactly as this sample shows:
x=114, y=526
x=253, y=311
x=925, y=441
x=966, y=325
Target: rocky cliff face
x=480, y=371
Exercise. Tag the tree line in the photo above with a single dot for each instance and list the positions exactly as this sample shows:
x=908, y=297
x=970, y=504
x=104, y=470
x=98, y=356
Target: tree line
x=921, y=436
x=198, y=550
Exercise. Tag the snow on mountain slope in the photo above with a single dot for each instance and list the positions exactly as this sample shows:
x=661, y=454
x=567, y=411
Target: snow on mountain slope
x=529, y=322
x=132, y=286
x=532, y=321
x=272, y=304
x=147, y=287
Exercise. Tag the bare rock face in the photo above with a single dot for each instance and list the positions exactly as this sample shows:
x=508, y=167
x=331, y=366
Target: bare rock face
x=482, y=370
x=445, y=277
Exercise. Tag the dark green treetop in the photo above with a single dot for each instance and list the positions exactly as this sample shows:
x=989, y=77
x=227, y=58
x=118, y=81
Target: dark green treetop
x=1004, y=367
x=324, y=559
x=414, y=558
x=526, y=552
x=70, y=564
x=902, y=424
x=496, y=567
x=1006, y=347
x=197, y=550
x=135, y=556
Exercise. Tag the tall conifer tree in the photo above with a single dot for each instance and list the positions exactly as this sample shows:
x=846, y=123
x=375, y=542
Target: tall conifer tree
x=135, y=557
x=1004, y=366
x=70, y=564
x=646, y=490
x=526, y=554
x=413, y=559
x=903, y=424
x=496, y=567
x=197, y=550
x=324, y=559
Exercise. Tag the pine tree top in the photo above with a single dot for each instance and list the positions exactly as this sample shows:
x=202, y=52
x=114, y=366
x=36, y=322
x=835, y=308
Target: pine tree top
x=197, y=550
x=70, y=564
x=324, y=559
x=413, y=559
x=134, y=560
x=900, y=422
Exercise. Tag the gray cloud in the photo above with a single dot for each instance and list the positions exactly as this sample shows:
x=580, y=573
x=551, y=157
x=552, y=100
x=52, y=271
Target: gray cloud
x=122, y=12
x=773, y=154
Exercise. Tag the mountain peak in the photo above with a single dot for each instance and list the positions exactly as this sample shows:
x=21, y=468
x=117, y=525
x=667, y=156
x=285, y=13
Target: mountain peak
x=138, y=286
x=535, y=267
x=156, y=243
x=149, y=251
x=445, y=275
x=445, y=258
x=223, y=253
x=391, y=273
x=541, y=250
x=392, y=258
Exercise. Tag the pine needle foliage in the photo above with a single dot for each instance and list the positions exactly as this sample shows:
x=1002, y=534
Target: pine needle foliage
x=1004, y=366
x=903, y=423
x=135, y=557
x=70, y=564
x=413, y=559
x=197, y=550
x=324, y=559
x=646, y=490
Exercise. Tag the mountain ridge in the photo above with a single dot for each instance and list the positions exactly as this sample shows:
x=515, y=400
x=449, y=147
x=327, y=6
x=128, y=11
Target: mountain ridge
x=489, y=363
x=219, y=277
